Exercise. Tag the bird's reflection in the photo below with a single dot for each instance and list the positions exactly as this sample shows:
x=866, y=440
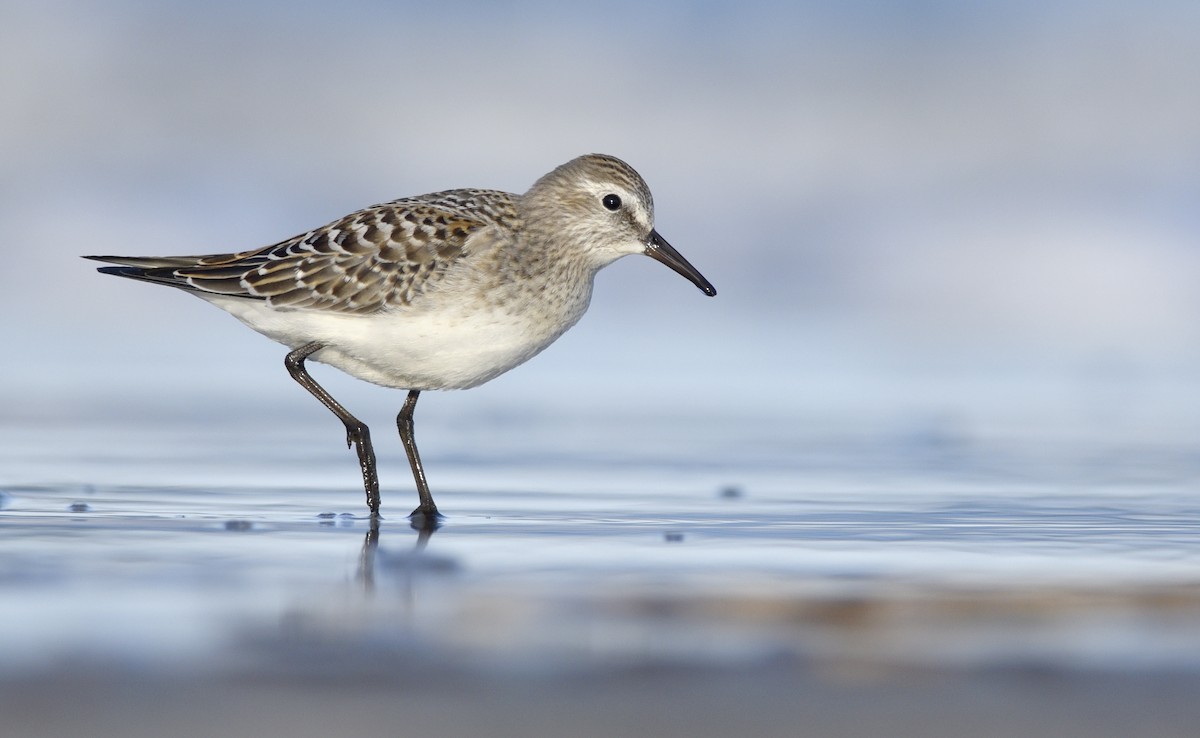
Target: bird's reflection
x=370, y=547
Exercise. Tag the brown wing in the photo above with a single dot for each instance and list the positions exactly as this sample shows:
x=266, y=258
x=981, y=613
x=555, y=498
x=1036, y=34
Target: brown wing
x=377, y=257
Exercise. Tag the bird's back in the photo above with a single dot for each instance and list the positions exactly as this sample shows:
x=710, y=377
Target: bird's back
x=378, y=257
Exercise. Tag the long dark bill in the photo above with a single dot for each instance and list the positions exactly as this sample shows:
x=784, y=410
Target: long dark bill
x=658, y=249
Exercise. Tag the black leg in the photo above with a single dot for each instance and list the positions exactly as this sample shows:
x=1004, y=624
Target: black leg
x=356, y=431
x=426, y=515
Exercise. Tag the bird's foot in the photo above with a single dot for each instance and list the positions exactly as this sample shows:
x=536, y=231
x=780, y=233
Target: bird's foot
x=425, y=518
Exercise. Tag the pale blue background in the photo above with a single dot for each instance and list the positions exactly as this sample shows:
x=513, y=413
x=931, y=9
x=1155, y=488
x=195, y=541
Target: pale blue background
x=944, y=412
x=977, y=215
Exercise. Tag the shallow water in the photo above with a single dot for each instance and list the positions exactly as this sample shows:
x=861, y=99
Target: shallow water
x=159, y=552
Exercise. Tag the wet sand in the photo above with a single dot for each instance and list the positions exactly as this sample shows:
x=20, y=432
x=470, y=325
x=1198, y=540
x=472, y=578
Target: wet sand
x=772, y=699
x=598, y=600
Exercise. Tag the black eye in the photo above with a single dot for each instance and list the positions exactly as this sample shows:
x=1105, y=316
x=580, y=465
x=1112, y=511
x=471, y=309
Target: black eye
x=612, y=202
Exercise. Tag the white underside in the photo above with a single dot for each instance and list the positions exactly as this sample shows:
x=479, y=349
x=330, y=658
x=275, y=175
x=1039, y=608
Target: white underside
x=409, y=348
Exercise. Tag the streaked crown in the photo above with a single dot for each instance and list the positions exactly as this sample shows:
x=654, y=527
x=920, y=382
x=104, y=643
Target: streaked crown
x=598, y=201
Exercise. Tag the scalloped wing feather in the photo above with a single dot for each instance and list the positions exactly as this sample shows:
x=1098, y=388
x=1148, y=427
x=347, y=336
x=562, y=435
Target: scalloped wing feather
x=380, y=256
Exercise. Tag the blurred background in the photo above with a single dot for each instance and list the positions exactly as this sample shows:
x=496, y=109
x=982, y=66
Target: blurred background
x=928, y=460
x=982, y=215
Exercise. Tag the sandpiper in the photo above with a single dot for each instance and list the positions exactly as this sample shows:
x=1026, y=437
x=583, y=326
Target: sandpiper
x=439, y=291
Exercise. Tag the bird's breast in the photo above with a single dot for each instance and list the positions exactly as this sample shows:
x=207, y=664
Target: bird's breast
x=459, y=334
x=443, y=349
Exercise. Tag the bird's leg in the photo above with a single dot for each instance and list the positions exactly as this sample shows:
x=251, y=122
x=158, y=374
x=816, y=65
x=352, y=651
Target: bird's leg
x=426, y=515
x=356, y=431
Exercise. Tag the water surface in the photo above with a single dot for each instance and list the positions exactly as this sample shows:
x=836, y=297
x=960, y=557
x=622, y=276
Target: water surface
x=206, y=554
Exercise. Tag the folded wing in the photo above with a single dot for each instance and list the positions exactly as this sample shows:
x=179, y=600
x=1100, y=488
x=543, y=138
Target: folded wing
x=380, y=256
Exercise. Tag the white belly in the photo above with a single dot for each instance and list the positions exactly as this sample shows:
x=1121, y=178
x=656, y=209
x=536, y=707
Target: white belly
x=410, y=349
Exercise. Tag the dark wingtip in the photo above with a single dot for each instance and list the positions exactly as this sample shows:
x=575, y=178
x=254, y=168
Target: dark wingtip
x=104, y=258
x=122, y=271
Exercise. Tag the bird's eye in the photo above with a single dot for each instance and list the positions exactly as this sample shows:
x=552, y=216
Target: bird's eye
x=612, y=202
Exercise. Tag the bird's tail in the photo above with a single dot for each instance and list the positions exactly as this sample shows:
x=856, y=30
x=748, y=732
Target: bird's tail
x=147, y=262
x=156, y=269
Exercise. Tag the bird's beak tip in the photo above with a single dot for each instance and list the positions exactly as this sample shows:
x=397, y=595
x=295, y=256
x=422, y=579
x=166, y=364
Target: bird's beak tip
x=658, y=249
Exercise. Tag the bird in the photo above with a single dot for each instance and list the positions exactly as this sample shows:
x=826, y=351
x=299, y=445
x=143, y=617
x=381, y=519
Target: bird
x=441, y=291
